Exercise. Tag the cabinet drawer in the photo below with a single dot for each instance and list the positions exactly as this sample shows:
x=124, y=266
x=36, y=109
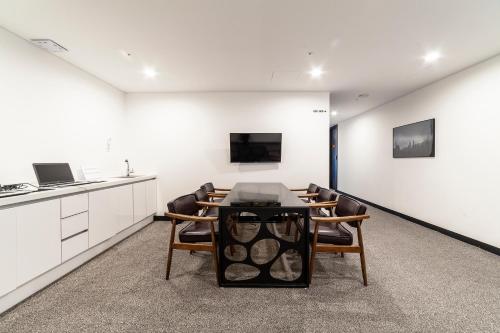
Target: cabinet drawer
x=74, y=224
x=74, y=204
x=74, y=245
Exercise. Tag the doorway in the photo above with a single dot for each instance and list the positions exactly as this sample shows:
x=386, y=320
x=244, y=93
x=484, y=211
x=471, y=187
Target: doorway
x=333, y=157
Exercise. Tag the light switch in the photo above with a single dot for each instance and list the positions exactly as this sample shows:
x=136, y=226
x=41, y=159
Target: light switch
x=108, y=144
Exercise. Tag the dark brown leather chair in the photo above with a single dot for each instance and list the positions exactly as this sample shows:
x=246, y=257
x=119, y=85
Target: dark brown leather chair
x=203, y=199
x=215, y=194
x=211, y=208
x=324, y=200
x=329, y=234
x=324, y=196
x=200, y=229
x=310, y=193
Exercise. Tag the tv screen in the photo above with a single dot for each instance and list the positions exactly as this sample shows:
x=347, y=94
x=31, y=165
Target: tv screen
x=414, y=140
x=255, y=147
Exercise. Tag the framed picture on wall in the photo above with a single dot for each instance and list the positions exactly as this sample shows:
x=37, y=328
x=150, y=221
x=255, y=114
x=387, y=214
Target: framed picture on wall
x=414, y=140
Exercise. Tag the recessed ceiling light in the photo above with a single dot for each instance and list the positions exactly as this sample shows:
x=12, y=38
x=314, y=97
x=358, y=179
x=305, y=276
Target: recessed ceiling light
x=432, y=56
x=316, y=72
x=334, y=113
x=149, y=72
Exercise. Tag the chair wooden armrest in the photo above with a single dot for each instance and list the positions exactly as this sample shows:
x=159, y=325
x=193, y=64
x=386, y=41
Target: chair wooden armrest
x=339, y=219
x=195, y=218
x=308, y=195
x=208, y=203
x=298, y=189
x=324, y=204
x=216, y=195
x=223, y=189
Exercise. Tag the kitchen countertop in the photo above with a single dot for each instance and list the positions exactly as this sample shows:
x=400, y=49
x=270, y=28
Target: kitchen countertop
x=70, y=190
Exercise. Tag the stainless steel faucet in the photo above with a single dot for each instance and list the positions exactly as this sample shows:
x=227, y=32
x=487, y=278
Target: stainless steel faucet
x=128, y=168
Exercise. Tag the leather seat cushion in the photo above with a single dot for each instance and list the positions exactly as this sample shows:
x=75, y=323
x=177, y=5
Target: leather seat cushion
x=332, y=233
x=196, y=232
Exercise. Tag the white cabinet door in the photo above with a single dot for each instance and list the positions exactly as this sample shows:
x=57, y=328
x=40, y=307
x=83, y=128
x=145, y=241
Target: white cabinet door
x=151, y=197
x=38, y=239
x=124, y=208
x=102, y=220
x=140, y=206
x=8, y=250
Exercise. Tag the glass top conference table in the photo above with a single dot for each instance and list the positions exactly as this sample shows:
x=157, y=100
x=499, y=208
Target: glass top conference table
x=261, y=243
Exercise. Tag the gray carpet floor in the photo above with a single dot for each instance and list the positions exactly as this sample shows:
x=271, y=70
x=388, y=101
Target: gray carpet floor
x=419, y=281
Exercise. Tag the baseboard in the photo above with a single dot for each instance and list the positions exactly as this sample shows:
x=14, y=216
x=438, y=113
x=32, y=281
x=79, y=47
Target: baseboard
x=468, y=240
x=161, y=218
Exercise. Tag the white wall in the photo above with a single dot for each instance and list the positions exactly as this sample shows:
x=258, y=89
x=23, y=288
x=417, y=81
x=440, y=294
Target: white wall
x=459, y=188
x=52, y=111
x=184, y=138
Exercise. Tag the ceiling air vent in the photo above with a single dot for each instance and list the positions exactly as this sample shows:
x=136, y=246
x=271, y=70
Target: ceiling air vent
x=49, y=45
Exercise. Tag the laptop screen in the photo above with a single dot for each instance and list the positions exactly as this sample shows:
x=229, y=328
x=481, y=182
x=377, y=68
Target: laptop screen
x=50, y=173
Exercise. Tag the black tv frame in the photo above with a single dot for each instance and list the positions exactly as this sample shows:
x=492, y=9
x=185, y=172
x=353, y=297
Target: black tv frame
x=232, y=159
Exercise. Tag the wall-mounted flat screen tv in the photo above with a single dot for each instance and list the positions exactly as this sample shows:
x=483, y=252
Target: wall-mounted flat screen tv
x=414, y=140
x=255, y=147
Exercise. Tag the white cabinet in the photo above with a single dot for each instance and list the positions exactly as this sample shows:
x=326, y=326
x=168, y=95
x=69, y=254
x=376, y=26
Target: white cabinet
x=8, y=250
x=124, y=208
x=74, y=245
x=38, y=239
x=102, y=224
x=110, y=211
x=140, y=205
x=151, y=197
x=74, y=224
x=74, y=204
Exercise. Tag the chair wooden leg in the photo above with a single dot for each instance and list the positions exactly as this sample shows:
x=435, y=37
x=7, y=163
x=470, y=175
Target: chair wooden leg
x=362, y=254
x=342, y=254
x=313, y=252
x=170, y=248
x=191, y=251
x=214, y=251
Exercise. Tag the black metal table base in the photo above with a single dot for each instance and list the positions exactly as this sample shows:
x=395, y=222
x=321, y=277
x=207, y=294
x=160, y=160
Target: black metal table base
x=261, y=247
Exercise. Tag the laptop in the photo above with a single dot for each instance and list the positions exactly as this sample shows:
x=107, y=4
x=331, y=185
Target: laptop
x=56, y=175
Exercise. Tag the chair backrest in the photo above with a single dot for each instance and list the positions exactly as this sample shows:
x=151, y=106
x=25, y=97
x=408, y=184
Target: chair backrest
x=208, y=187
x=201, y=195
x=347, y=206
x=185, y=204
x=325, y=194
x=313, y=188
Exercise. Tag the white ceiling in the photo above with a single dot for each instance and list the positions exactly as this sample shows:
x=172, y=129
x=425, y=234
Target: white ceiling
x=262, y=45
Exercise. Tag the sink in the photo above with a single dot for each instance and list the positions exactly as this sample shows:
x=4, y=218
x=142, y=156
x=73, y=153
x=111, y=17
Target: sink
x=130, y=176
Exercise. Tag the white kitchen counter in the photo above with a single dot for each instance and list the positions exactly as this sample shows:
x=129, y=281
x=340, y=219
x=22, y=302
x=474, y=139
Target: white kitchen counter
x=70, y=190
x=45, y=235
